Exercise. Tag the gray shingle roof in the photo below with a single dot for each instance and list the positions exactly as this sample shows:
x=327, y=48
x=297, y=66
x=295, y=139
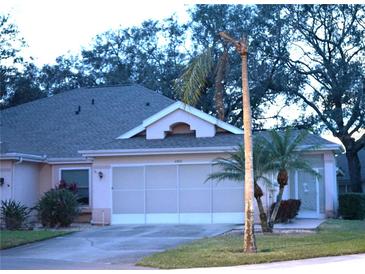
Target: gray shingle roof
x=50, y=126
x=182, y=141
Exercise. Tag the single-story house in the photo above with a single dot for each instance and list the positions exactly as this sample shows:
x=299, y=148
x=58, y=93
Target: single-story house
x=140, y=157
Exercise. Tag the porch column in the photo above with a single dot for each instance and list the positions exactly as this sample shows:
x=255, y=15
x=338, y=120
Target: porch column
x=330, y=181
x=101, y=194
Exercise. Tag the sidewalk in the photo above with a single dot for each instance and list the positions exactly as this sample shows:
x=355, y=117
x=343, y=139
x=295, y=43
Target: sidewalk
x=338, y=264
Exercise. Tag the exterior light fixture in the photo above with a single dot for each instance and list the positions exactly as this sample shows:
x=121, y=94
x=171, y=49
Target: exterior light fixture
x=101, y=175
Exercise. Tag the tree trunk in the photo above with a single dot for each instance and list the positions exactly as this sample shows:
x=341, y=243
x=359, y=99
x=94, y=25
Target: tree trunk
x=263, y=217
x=276, y=208
x=249, y=243
x=352, y=148
x=354, y=167
x=258, y=193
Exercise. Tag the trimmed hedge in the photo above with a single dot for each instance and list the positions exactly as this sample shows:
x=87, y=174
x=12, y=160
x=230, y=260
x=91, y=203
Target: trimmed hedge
x=352, y=206
x=288, y=210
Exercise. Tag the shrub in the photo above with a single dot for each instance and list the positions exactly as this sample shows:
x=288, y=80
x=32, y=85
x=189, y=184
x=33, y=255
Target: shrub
x=58, y=207
x=288, y=210
x=14, y=214
x=352, y=206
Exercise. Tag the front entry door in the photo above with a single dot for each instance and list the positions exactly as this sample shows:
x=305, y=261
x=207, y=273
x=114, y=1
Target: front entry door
x=308, y=191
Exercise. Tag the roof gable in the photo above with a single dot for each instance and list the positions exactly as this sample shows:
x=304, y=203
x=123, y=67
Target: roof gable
x=186, y=108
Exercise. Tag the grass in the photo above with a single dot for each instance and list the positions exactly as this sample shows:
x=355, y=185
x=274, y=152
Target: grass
x=12, y=238
x=333, y=238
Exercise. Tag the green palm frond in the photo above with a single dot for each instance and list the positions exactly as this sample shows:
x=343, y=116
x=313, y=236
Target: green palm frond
x=233, y=167
x=192, y=82
x=303, y=165
x=284, y=152
x=264, y=180
x=223, y=175
x=294, y=145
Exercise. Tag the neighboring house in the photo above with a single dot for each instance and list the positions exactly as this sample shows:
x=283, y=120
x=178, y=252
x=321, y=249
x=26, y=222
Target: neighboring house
x=343, y=177
x=140, y=157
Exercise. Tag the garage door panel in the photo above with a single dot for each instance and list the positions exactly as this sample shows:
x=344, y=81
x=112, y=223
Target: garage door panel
x=228, y=200
x=161, y=176
x=226, y=183
x=161, y=201
x=128, y=202
x=128, y=178
x=194, y=176
x=196, y=200
x=174, y=194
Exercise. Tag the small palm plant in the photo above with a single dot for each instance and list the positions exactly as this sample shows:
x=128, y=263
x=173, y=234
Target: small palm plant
x=284, y=153
x=233, y=168
x=14, y=214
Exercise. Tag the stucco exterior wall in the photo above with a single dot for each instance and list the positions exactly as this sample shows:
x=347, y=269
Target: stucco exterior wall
x=6, y=172
x=26, y=183
x=45, y=178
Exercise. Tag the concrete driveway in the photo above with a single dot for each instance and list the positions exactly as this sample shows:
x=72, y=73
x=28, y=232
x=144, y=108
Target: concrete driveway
x=114, y=247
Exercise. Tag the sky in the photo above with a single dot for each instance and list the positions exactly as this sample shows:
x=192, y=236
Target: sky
x=56, y=27
x=53, y=28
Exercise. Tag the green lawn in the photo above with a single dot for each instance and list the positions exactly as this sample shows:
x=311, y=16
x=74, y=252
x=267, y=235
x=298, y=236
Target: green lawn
x=334, y=237
x=10, y=238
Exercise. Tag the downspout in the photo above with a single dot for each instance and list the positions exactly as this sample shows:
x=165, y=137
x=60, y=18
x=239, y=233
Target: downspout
x=19, y=161
x=13, y=177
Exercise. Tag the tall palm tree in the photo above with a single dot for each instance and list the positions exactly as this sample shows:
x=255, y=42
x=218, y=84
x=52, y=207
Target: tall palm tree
x=284, y=153
x=249, y=241
x=195, y=78
x=233, y=168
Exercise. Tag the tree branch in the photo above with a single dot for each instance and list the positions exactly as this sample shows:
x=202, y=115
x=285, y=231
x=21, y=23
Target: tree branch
x=320, y=114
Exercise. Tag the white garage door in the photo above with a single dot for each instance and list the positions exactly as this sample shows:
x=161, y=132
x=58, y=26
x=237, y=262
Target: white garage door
x=174, y=194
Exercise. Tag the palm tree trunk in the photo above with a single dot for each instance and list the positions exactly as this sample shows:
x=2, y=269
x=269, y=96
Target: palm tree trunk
x=276, y=208
x=249, y=245
x=263, y=217
x=249, y=241
x=282, y=179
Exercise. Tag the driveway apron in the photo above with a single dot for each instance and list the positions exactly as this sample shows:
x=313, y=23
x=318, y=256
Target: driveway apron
x=113, y=247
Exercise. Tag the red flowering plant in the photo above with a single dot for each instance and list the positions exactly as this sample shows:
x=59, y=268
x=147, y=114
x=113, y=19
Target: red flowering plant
x=64, y=185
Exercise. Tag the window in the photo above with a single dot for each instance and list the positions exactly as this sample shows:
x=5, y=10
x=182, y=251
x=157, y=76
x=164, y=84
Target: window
x=81, y=178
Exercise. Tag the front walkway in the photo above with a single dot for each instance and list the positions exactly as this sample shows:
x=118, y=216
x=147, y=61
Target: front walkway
x=300, y=224
x=295, y=225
